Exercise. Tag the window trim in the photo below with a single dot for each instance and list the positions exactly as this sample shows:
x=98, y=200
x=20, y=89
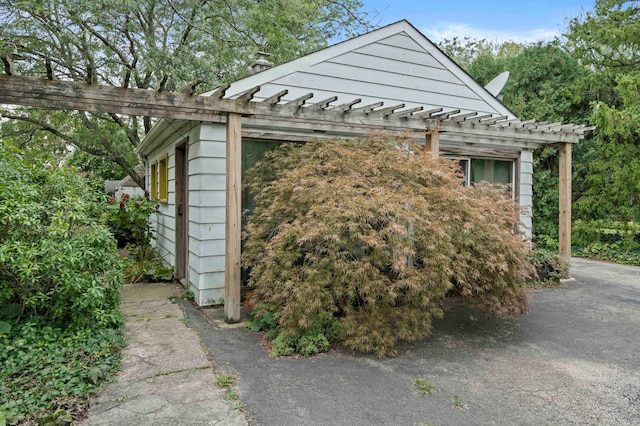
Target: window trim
x=163, y=179
x=153, y=178
x=467, y=159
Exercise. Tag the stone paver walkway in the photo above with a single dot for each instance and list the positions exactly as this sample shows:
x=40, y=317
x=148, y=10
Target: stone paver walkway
x=166, y=377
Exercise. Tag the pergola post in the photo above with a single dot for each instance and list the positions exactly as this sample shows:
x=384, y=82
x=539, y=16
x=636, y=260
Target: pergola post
x=233, y=218
x=564, y=231
x=432, y=142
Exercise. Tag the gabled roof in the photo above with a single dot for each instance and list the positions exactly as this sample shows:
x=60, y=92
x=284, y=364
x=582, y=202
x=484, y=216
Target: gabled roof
x=395, y=64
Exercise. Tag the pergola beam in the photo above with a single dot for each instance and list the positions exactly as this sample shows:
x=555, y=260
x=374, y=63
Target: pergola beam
x=343, y=119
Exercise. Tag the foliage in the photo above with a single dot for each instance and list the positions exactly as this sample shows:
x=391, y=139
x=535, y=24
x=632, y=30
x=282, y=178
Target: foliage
x=57, y=261
x=99, y=168
x=224, y=380
x=144, y=265
x=607, y=240
x=546, y=84
x=151, y=44
x=60, y=276
x=606, y=40
x=372, y=235
x=128, y=219
x=548, y=266
x=49, y=371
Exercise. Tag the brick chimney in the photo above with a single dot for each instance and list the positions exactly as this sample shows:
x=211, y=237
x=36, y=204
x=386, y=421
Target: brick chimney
x=261, y=63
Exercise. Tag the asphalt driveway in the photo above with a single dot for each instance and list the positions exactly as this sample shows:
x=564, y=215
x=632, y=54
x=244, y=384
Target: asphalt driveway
x=574, y=360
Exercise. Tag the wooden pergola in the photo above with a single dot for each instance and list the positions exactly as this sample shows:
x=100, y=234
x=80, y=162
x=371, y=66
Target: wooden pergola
x=347, y=118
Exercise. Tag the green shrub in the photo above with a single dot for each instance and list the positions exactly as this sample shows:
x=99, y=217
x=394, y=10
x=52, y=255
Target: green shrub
x=283, y=345
x=373, y=235
x=60, y=277
x=57, y=261
x=607, y=240
x=129, y=220
x=549, y=268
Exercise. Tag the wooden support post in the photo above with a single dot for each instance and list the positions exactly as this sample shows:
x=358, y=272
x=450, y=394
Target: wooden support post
x=564, y=231
x=233, y=218
x=432, y=143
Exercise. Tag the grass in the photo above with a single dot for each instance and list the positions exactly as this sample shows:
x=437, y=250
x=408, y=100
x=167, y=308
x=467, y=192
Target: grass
x=459, y=404
x=424, y=386
x=224, y=380
x=230, y=395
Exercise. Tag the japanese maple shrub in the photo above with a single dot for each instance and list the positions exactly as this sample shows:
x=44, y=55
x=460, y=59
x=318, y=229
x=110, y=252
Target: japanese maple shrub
x=360, y=241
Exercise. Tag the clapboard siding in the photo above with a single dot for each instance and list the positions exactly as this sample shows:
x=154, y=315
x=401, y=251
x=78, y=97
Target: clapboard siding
x=164, y=222
x=390, y=80
x=394, y=70
x=199, y=214
x=207, y=184
x=525, y=190
x=373, y=62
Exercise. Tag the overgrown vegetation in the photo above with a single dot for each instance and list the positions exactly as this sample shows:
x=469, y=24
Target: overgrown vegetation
x=360, y=241
x=129, y=220
x=60, y=277
x=607, y=240
x=549, y=268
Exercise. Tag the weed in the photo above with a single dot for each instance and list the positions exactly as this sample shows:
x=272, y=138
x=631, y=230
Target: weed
x=188, y=295
x=163, y=373
x=459, y=404
x=423, y=386
x=124, y=398
x=240, y=406
x=224, y=380
x=230, y=395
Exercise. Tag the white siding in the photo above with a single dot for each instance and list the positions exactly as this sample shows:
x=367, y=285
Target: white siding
x=394, y=64
x=526, y=189
x=207, y=183
x=164, y=223
x=393, y=70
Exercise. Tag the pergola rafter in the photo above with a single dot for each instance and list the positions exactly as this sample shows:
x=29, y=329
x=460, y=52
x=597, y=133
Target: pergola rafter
x=439, y=125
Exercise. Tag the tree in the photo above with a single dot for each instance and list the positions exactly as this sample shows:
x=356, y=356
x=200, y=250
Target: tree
x=607, y=40
x=546, y=84
x=153, y=44
x=363, y=239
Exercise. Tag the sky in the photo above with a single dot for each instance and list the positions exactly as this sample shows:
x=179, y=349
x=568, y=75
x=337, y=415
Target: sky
x=495, y=20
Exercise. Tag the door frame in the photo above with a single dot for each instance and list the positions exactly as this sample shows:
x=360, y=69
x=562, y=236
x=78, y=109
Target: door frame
x=182, y=211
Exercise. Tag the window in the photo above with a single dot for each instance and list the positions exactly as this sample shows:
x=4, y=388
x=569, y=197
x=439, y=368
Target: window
x=477, y=170
x=492, y=171
x=163, y=180
x=252, y=152
x=159, y=180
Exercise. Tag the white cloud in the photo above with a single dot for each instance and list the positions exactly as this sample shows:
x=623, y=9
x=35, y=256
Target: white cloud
x=449, y=30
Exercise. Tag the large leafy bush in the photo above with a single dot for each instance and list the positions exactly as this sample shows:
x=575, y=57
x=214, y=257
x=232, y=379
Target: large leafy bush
x=369, y=236
x=57, y=261
x=60, y=276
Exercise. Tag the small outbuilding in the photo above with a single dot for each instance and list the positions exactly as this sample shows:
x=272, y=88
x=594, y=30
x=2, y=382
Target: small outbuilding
x=392, y=79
